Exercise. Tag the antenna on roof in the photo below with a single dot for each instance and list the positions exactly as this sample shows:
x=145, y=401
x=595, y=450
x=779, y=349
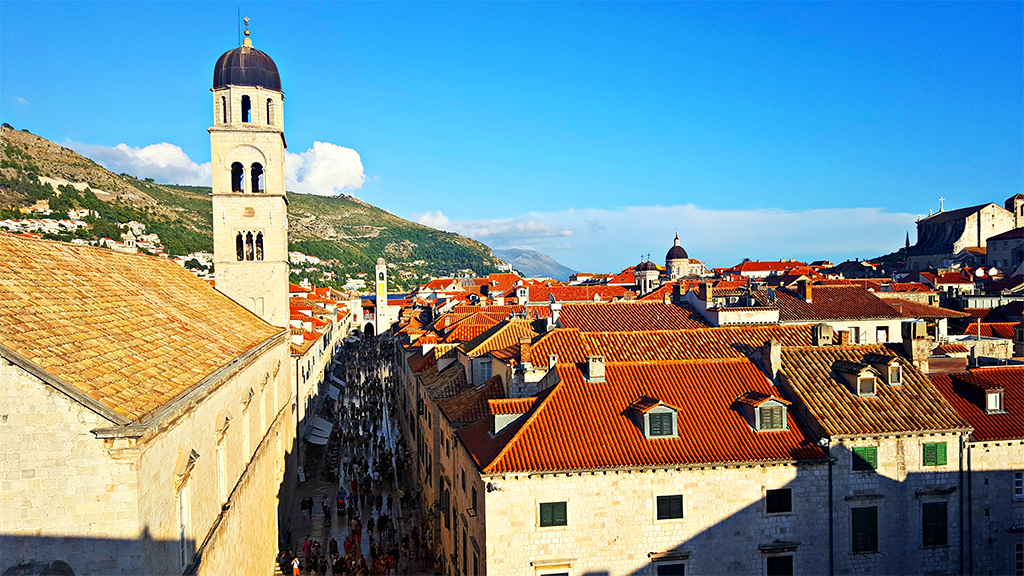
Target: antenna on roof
x=238, y=22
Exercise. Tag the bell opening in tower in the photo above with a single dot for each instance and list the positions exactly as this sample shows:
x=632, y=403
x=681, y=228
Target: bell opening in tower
x=246, y=109
x=237, y=177
x=256, y=172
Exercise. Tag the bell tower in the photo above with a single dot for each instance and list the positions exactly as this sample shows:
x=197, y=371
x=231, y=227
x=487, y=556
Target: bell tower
x=250, y=210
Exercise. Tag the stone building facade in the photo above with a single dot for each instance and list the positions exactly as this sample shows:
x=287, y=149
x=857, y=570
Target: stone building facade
x=942, y=236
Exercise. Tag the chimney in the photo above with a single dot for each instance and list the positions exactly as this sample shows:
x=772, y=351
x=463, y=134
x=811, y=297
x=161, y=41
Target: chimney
x=705, y=292
x=552, y=361
x=556, y=309
x=595, y=369
x=803, y=287
x=771, y=358
x=427, y=347
x=821, y=334
x=524, y=351
x=844, y=337
x=677, y=294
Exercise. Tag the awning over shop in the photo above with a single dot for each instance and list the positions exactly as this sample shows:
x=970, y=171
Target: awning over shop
x=322, y=426
x=337, y=381
x=332, y=392
x=314, y=438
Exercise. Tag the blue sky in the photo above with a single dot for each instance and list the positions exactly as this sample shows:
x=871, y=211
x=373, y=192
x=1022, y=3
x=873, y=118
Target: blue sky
x=589, y=131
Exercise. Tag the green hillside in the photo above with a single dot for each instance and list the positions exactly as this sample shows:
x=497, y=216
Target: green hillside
x=347, y=234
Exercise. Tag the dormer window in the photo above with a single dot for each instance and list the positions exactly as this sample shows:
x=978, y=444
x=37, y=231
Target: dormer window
x=896, y=375
x=658, y=420
x=866, y=385
x=993, y=401
x=764, y=412
x=886, y=367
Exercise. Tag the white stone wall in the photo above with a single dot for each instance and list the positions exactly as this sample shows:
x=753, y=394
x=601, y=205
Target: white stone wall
x=993, y=508
x=62, y=496
x=612, y=526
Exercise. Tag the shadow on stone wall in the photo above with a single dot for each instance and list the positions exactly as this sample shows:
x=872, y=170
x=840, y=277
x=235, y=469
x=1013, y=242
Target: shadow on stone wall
x=66, y=555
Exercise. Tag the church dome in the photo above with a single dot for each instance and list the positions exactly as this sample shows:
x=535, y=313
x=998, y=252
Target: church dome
x=645, y=266
x=676, y=252
x=246, y=66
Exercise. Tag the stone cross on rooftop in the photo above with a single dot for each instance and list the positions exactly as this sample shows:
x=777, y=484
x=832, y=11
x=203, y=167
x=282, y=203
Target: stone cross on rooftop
x=941, y=205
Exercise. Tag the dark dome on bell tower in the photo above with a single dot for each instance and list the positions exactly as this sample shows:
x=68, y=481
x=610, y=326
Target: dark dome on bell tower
x=246, y=66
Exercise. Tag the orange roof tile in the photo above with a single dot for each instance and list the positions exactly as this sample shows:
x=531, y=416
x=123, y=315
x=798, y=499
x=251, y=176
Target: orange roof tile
x=992, y=329
x=917, y=310
x=828, y=303
x=511, y=405
x=501, y=335
x=630, y=316
x=541, y=293
x=915, y=406
x=132, y=331
x=961, y=391
x=580, y=425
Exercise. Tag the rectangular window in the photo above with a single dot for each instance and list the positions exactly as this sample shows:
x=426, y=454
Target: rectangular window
x=865, y=458
x=1019, y=560
x=855, y=335
x=772, y=418
x=895, y=376
x=473, y=499
x=183, y=555
x=553, y=514
x=1018, y=485
x=934, y=454
x=670, y=507
x=865, y=529
x=777, y=501
x=993, y=401
x=661, y=424
x=672, y=569
x=780, y=565
x=933, y=524
x=866, y=386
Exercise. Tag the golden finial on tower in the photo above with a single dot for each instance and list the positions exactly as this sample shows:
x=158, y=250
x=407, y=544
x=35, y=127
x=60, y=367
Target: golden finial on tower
x=246, y=20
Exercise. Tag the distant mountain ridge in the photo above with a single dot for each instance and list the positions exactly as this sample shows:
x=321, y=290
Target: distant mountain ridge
x=534, y=264
x=346, y=233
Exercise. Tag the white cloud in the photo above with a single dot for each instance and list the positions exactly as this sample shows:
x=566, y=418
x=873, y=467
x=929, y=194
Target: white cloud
x=611, y=239
x=163, y=162
x=325, y=169
x=21, y=101
x=433, y=219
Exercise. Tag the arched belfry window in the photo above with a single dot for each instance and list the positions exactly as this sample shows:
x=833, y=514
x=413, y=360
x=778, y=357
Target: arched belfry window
x=259, y=245
x=270, y=110
x=239, y=247
x=237, y=177
x=246, y=109
x=224, y=109
x=256, y=172
x=248, y=246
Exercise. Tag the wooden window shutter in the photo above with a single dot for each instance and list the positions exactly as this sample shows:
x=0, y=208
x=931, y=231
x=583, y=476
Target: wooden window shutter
x=934, y=528
x=865, y=529
x=865, y=458
x=940, y=454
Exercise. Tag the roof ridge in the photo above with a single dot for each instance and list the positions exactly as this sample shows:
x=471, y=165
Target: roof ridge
x=538, y=405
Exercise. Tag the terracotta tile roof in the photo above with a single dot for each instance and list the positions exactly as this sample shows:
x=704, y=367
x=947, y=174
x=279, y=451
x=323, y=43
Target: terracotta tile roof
x=916, y=406
x=666, y=289
x=446, y=383
x=644, y=403
x=992, y=329
x=953, y=278
x=540, y=293
x=978, y=313
x=626, y=316
x=961, y=391
x=131, y=331
x=471, y=405
x=1009, y=283
x=419, y=361
x=501, y=335
x=828, y=303
x=511, y=405
x=916, y=310
x=755, y=399
x=502, y=311
x=952, y=349
x=503, y=281
x=623, y=278
x=466, y=332
x=1015, y=234
x=773, y=266
x=909, y=287
x=581, y=425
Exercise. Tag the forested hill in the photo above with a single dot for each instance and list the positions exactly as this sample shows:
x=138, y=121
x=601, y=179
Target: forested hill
x=347, y=234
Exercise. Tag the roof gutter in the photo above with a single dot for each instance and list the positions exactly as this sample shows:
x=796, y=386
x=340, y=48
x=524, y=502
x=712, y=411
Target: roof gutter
x=62, y=385
x=195, y=393
x=666, y=467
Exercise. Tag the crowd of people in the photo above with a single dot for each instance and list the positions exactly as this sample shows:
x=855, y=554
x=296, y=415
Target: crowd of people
x=374, y=506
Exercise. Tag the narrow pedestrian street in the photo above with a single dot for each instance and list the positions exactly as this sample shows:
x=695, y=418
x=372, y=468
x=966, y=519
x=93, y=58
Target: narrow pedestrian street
x=356, y=512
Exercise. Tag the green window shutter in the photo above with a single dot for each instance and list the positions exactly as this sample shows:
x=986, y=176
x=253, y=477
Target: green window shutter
x=546, y=515
x=560, y=516
x=670, y=507
x=865, y=458
x=929, y=454
x=940, y=456
x=934, y=454
x=552, y=514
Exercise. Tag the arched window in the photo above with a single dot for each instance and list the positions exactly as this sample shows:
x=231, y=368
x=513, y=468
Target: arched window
x=248, y=246
x=246, y=109
x=237, y=177
x=259, y=245
x=239, y=247
x=256, y=172
x=224, y=108
x=270, y=110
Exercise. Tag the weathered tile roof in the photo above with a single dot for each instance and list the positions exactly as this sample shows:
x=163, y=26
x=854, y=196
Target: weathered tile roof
x=828, y=303
x=960, y=391
x=503, y=311
x=501, y=335
x=542, y=293
x=992, y=329
x=580, y=425
x=630, y=316
x=909, y=287
x=917, y=310
x=471, y=405
x=130, y=331
x=916, y=406
x=443, y=384
x=952, y=349
x=572, y=345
